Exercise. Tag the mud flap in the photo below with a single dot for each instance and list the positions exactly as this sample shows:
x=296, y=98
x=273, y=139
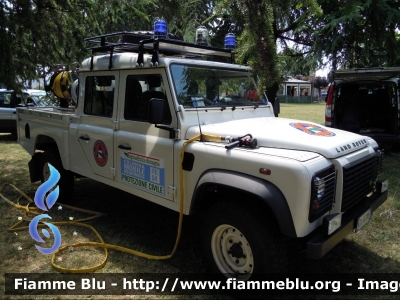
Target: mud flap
x=34, y=167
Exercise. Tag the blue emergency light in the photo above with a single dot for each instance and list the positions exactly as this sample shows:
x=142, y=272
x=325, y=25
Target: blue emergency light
x=230, y=41
x=160, y=29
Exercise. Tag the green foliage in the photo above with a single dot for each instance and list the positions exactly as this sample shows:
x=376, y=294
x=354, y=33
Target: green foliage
x=262, y=25
x=183, y=17
x=320, y=82
x=256, y=45
x=294, y=62
x=40, y=33
x=293, y=31
x=116, y=15
x=357, y=33
x=37, y=34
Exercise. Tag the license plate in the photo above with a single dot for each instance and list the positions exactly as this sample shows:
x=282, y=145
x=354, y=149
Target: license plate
x=363, y=219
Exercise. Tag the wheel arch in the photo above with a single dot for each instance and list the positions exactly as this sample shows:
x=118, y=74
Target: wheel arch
x=47, y=143
x=267, y=196
x=43, y=143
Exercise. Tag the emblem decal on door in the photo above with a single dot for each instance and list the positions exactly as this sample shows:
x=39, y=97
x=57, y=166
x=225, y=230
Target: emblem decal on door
x=100, y=153
x=312, y=129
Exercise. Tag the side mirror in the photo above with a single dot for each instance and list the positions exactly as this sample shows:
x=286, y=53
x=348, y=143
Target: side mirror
x=155, y=112
x=155, y=115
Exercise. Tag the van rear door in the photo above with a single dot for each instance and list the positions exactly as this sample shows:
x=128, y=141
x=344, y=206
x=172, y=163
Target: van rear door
x=374, y=93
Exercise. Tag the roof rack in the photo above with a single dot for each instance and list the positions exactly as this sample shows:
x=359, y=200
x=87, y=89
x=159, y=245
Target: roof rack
x=143, y=42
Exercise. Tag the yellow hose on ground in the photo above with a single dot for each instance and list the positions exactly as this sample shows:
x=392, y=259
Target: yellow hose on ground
x=33, y=211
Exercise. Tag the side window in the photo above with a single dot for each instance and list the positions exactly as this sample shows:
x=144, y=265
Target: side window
x=134, y=108
x=139, y=90
x=18, y=100
x=5, y=99
x=99, y=96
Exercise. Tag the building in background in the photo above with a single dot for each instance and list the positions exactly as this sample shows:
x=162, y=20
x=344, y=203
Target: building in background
x=296, y=90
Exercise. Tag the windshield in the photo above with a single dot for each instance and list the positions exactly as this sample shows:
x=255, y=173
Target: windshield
x=207, y=87
x=39, y=98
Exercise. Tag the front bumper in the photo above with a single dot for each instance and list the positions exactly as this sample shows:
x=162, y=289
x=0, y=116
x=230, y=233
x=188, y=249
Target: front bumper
x=322, y=243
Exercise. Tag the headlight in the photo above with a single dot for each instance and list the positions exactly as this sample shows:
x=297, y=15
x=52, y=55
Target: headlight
x=320, y=187
x=323, y=187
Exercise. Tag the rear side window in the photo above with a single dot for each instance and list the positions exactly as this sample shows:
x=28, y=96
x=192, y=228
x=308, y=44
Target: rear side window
x=5, y=99
x=99, y=96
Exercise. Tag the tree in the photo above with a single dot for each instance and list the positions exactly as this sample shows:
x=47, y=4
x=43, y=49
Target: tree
x=186, y=16
x=320, y=82
x=265, y=24
x=357, y=33
x=125, y=15
x=293, y=62
x=37, y=34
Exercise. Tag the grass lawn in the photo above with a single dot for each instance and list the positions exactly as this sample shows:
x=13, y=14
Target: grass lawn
x=314, y=112
x=143, y=226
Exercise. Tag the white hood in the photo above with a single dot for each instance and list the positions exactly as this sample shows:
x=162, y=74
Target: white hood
x=288, y=134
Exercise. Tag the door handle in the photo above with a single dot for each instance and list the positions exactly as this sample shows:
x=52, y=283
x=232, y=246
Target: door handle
x=82, y=137
x=124, y=147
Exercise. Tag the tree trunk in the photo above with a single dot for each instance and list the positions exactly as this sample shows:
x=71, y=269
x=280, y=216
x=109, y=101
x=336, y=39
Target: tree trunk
x=271, y=95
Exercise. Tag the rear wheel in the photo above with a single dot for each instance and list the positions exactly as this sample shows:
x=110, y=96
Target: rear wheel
x=66, y=182
x=240, y=242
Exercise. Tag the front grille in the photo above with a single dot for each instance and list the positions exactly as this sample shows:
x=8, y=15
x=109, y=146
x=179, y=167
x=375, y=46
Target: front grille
x=359, y=180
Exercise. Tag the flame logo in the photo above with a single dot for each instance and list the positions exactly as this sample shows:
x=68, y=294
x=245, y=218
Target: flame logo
x=51, y=199
x=35, y=235
x=45, y=187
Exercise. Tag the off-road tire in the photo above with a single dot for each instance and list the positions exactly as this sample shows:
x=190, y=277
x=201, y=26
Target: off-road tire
x=66, y=182
x=262, y=247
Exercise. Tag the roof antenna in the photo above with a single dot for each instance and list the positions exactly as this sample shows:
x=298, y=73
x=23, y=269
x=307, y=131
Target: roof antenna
x=198, y=119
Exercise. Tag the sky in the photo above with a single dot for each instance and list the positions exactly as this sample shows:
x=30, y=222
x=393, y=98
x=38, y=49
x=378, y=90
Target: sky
x=322, y=73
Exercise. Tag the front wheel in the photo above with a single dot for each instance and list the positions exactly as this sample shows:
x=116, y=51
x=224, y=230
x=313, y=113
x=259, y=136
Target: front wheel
x=240, y=242
x=66, y=182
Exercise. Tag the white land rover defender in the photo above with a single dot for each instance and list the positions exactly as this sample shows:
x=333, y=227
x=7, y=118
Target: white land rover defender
x=163, y=120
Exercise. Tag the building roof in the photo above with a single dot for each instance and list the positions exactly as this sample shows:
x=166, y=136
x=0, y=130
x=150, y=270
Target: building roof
x=293, y=80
